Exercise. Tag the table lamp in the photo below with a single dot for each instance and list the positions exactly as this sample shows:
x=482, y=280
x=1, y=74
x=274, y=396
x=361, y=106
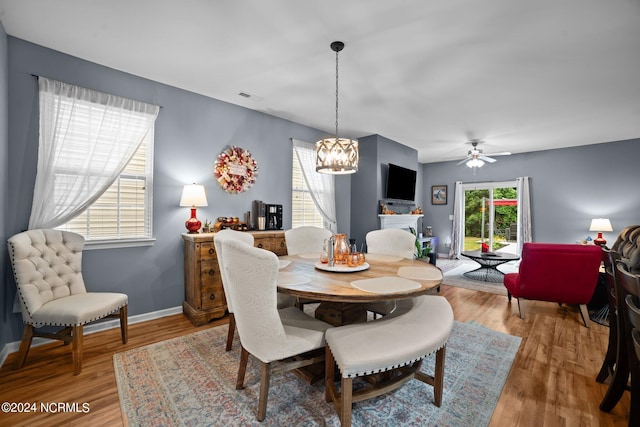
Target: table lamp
x=193, y=195
x=600, y=225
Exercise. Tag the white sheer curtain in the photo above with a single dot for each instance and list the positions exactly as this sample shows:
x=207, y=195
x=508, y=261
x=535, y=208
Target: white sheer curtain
x=524, y=212
x=321, y=186
x=457, y=234
x=86, y=140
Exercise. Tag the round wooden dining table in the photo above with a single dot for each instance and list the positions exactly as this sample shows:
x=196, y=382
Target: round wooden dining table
x=342, y=293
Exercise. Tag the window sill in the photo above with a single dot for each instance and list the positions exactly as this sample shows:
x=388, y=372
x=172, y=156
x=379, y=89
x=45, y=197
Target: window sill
x=118, y=243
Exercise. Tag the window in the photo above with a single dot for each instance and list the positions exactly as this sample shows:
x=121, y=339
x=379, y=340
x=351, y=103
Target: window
x=95, y=165
x=303, y=210
x=124, y=210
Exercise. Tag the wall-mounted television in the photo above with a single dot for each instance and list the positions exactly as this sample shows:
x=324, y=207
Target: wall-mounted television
x=401, y=184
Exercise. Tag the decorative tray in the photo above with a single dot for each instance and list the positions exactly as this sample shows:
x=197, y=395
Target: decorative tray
x=341, y=268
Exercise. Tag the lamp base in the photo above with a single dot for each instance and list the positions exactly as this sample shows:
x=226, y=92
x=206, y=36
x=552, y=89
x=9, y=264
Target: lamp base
x=599, y=240
x=193, y=224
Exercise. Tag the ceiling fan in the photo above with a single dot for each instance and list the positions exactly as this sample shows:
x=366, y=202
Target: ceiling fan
x=476, y=158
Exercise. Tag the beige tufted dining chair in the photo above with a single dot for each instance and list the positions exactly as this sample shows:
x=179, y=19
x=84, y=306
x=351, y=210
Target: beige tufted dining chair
x=392, y=242
x=47, y=266
x=269, y=334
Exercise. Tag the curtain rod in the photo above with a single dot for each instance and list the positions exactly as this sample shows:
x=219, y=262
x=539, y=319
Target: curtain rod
x=38, y=76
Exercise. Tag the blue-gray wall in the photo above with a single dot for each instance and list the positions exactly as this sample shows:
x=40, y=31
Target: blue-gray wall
x=4, y=181
x=191, y=130
x=568, y=187
x=368, y=185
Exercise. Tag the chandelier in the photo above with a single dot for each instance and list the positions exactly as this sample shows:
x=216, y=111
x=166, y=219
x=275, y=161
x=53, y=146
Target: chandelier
x=337, y=155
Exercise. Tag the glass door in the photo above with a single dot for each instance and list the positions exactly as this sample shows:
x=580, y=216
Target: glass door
x=490, y=217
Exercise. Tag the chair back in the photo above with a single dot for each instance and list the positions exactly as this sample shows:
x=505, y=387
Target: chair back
x=391, y=241
x=251, y=274
x=629, y=293
x=306, y=240
x=564, y=273
x=47, y=265
x=219, y=237
x=628, y=246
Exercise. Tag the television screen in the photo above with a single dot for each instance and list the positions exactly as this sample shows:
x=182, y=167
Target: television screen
x=401, y=183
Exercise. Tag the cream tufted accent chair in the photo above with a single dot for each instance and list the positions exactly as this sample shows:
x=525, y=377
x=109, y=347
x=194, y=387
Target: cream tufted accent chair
x=47, y=266
x=269, y=334
x=306, y=240
x=393, y=242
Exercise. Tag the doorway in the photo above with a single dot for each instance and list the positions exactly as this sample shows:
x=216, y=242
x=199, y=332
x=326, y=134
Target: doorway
x=491, y=217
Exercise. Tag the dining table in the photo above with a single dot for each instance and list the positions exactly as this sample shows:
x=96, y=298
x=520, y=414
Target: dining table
x=343, y=291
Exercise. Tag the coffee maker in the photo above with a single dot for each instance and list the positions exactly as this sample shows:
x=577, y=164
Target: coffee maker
x=273, y=217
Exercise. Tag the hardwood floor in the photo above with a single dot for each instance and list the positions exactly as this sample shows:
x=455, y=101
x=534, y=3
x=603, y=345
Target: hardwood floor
x=552, y=381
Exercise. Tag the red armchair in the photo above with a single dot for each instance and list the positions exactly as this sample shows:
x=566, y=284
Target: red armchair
x=566, y=274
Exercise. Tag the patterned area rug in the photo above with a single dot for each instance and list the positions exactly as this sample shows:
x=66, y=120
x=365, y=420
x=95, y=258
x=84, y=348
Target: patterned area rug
x=453, y=275
x=190, y=381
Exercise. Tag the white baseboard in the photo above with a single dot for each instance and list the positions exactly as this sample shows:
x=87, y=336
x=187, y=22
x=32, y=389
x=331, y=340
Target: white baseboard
x=93, y=328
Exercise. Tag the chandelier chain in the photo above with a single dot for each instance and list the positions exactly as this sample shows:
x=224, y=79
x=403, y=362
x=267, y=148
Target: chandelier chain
x=337, y=94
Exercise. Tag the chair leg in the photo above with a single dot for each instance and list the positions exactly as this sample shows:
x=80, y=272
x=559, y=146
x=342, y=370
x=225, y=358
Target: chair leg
x=329, y=373
x=76, y=350
x=585, y=315
x=124, y=324
x=509, y=296
x=244, y=358
x=25, y=344
x=346, y=401
x=265, y=377
x=232, y=330
x=520, y=309
x=438, y=377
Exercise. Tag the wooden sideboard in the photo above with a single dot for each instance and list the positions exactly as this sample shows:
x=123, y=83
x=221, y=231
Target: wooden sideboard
x=203, y=293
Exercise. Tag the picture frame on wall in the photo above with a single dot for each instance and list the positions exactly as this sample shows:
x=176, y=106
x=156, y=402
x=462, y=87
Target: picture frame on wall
x=438, y=194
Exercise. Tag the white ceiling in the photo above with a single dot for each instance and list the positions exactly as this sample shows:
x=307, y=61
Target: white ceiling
x=521, y=75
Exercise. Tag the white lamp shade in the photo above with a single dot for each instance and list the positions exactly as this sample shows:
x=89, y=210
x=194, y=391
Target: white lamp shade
x=193, y=195
x=600, y=224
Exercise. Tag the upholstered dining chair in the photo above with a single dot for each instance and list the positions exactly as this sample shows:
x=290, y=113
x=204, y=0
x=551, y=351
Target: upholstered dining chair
x=610, y=259
x=47, y=266
x=228, y=234
x=628, y=298
x=392, y=242
x=221, y=236
x=272, y=336
x=306, y=240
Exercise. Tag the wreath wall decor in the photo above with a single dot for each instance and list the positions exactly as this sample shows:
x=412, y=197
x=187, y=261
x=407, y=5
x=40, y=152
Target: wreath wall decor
x=235, y=170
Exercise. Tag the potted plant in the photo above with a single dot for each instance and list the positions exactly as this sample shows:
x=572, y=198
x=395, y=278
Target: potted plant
x=206, y=228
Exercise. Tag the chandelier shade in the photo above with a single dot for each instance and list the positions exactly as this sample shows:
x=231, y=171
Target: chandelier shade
x=338, y=156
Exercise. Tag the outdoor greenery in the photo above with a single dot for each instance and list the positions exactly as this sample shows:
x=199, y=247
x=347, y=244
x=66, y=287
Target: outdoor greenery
x=504, y=215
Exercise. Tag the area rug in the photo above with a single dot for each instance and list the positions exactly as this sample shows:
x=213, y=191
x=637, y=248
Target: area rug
x=453, y=271
x=190, y=381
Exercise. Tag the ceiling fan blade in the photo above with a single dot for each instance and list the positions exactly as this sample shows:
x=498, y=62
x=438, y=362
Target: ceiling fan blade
x=503, y=153
x=462, y=161
x=487, y=159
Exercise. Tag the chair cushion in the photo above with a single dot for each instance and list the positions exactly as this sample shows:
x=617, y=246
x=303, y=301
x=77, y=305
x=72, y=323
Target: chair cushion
x=416, y=328
x=79, y=309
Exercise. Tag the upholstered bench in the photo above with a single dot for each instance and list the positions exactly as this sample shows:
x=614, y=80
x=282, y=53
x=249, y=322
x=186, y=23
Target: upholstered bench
x=418, y=327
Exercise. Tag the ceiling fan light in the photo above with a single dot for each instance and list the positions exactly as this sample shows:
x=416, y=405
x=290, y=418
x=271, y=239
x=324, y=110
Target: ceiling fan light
x=475, y=163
